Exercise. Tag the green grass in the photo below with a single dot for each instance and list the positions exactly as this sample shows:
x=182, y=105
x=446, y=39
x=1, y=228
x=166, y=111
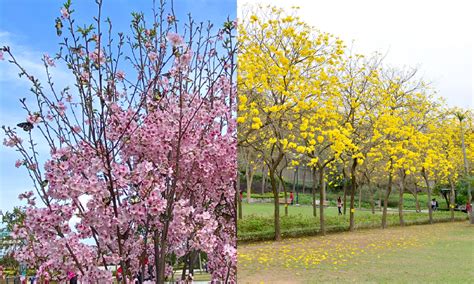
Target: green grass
x=331, y=196
x=439, y=253
x=266, y=209
x=258, y=223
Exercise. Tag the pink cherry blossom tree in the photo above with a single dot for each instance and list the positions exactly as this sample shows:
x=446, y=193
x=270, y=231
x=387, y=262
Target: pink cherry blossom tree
x=142, y=151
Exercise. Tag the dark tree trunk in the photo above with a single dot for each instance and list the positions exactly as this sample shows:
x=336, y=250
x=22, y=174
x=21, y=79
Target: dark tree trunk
x=452, y=199
x=344, y=185
x=353, y=191
x=237, y=194
x=400, y=198
x=417, y=202
x=313, y=191
x=192, y=261
x=304, y=179
x=185, y=267
x=282, y=186
x=428, y=189
x=276, y=204
x=387, y=195
x=249, y=174
x=372, y=199
x=322, y=198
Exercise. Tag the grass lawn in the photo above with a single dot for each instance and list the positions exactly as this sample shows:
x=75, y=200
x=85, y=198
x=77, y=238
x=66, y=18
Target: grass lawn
x=258, y=225
x=438, y=253
x=266, y=209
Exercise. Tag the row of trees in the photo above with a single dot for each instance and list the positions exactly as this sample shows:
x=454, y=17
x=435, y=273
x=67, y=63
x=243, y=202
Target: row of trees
x=305, y=99
x=138, y=174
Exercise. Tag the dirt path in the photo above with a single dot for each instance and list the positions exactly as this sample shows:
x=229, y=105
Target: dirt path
x=348, y=256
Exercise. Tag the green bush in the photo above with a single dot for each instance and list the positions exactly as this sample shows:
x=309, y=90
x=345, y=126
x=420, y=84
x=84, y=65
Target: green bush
x=259, y=228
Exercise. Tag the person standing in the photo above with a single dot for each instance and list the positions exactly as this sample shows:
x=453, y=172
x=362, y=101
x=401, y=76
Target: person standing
x=291, y=197
x=339, y=205
x=468, y=208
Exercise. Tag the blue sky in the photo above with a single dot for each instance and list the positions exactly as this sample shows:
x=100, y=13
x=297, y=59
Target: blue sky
x=27, y=26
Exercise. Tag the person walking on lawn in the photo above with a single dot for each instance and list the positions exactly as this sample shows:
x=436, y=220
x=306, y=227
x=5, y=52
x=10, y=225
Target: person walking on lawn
x=339, y=205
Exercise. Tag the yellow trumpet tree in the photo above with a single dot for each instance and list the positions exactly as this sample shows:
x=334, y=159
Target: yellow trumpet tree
x=283, y=63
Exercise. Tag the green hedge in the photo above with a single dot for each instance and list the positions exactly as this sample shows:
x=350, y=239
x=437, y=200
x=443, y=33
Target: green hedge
x=258, y=228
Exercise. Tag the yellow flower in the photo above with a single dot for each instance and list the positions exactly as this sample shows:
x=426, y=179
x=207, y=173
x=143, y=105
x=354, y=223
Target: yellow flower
x=300, y=149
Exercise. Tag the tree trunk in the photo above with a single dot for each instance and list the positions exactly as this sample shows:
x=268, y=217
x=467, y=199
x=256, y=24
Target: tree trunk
x=192, y=261
x=304, y=179
x=282, y=186
x=322, y=198
x=185, y=267
x=466, y=171
x=313, y=191
x=430, y=211
x=387, y=195
x=264, y=178
x=417, y=202
x=401, y=190
x=344, y=186
x=372, y=199
x=359, y=205
x=380, y=198
x=451, y=199
x=295, y=176
x=353, y=190
x=237, y=194
x=276, y=204
x=249, y=173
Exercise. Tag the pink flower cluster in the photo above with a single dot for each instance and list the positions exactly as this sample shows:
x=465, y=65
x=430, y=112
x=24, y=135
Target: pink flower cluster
x=149, y=174
x=175, y=39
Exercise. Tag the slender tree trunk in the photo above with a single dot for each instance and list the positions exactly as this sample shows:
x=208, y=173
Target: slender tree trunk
x=185, y=267
x=451, y=199
x=282, y=186
x=304, y=179
x=237, y=194
x=372, y=199
x=192, y=261
x=264, y=178
x=401, y=190
x=344, y=186
x=295, y=175
x=249, y=173
x=353, y=190
x=466, y=170
x=417, y=202
x=428, y=190
x=313, y=191
x=380, y=198
x=276, y=204
x=359, y=205
x=387, y=195
x=322, y=198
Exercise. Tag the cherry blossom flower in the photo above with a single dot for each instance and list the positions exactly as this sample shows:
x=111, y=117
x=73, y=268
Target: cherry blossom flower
x=152, y=56
x=64, y=13
x=19, y=163
x=120, y=75
x=49, y=60
x=33, y=118
x=175, y=39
